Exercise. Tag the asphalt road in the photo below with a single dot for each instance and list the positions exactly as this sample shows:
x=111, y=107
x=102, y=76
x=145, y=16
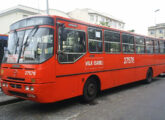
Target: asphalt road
x=135, y=101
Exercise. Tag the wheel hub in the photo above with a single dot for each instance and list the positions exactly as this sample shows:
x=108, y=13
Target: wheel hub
x=91, y=89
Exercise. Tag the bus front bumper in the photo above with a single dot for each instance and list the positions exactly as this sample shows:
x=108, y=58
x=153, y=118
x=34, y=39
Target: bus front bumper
x=42, y=93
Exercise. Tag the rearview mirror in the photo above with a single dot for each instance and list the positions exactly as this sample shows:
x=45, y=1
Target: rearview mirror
x=64, y=35
x=63, y=32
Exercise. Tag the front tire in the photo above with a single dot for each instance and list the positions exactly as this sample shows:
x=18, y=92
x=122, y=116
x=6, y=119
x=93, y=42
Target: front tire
x=90, y=90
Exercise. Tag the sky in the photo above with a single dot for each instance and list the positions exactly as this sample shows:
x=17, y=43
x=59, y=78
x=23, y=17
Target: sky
x=137, y=14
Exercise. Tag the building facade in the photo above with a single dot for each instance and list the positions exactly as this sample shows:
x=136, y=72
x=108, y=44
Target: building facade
x=157, y=31
x=95, y=17
x=11, y=15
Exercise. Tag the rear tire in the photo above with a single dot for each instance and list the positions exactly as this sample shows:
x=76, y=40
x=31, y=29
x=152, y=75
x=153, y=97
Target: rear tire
x=149, y=76
x=90, y=90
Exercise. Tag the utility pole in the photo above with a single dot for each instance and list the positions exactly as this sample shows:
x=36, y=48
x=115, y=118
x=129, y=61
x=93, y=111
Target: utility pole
x=157, y=10
x=47, y=7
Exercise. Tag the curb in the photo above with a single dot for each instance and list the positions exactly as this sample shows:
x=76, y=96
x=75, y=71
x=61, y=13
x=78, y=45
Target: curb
x=10, y=101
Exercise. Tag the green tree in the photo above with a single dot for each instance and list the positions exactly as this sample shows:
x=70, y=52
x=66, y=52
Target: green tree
x=104, y=24
x=131, y=30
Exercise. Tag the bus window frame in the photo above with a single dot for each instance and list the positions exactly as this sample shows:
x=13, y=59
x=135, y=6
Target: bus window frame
x=150, y=39
x=57, y=29
x=102, y=40
x=157, y=40
x=161, y=47
x=124, y=33
x=113, y=42
x=141, y=45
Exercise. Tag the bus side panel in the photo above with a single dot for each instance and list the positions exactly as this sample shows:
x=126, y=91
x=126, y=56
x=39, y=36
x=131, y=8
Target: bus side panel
x=160, y=64
x=141, y=61
x=112, y=63
x=108, y=79
x=140, y=73
x=126, y=76
x=66, y=87
x=126, y=71
x=72, y=86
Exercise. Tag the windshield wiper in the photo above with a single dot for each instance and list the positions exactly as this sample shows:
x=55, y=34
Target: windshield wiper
x=35, y=29
x=17, y=39
x=25, y=44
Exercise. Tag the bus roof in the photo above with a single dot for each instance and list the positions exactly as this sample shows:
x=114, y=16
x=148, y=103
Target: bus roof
x=89, y=24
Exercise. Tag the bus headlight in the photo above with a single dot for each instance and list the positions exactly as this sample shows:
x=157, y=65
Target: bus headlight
x=31, y=88
x=26, y=87
x=6, y=85
x=3, y=84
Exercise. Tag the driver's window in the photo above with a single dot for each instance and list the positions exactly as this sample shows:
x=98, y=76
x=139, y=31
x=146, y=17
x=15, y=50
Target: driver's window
x=71, y=45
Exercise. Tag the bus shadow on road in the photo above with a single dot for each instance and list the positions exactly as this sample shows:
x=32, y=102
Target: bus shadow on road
x=69, y=103
x=53, y=107
x=126, y=87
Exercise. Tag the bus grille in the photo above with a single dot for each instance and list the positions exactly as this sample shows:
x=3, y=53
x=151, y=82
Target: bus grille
x=16, y=86
x=19, y=79
x=18, y=94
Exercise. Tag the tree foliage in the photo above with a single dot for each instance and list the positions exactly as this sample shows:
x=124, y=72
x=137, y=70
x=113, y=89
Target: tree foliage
x=105, y=24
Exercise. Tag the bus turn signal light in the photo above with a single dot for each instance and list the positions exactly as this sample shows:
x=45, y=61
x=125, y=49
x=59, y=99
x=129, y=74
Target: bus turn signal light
x=33, y=80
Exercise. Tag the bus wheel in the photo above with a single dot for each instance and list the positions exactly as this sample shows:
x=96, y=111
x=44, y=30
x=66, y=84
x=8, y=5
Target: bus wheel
x=90, y=90
x=149, y=76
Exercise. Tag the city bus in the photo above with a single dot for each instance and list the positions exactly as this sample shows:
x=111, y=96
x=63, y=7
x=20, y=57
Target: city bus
x=52, y=58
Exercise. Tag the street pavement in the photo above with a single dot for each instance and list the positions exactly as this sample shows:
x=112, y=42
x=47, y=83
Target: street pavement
x=135, y=101
x=5, y=99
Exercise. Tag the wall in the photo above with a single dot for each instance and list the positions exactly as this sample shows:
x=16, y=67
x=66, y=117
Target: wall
x=79, y=15
x=8, y=19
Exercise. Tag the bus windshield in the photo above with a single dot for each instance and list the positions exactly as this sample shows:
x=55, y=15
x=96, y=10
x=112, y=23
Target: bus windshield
x=30, y=46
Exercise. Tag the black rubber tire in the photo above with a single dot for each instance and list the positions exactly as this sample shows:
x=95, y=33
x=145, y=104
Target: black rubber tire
x=90, y=90
x=149, y=76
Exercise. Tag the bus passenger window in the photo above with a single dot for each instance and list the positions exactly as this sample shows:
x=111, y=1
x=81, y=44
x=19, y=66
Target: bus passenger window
x=112, y=42
x=140, y=45
x=128, y=43
x=149, y=46
x=162, y=46
x=95, y=40
x=72, y=47
x=156, y=44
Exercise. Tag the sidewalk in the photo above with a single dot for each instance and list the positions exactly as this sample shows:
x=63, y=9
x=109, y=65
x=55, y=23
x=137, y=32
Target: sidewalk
x=5, y=99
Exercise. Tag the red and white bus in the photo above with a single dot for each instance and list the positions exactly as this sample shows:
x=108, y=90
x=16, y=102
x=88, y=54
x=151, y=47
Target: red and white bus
x=51, y=58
